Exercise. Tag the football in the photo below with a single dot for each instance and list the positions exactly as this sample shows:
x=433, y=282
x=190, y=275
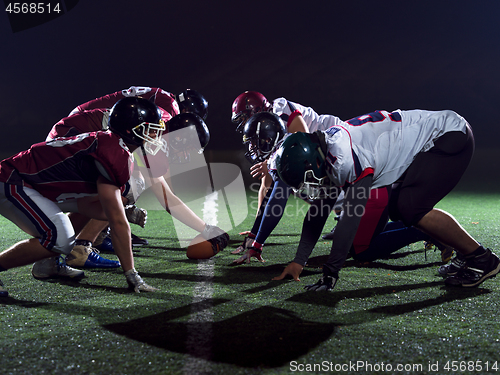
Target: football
x=199, y=248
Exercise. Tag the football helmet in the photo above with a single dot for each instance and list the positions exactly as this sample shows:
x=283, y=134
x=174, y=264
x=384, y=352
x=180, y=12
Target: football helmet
x=246, y=105
x=186, y=132
x=300, y=163
x=192, y=101
x=261, y=133
x=137, y=120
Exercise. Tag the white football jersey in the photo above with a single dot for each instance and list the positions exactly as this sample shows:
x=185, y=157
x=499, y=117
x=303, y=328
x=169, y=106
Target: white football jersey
x=284, y=108
x=384, y=143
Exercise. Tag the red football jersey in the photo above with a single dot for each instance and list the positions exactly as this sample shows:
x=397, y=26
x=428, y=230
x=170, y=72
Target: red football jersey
x=86, y=121
x=163, y=99
x=68, y=168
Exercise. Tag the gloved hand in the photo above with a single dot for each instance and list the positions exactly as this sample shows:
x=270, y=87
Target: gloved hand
x=136, y=283
x=216, y=236
x=251, y=252
x=136, y=215
x=247, y=243
x=326, y=283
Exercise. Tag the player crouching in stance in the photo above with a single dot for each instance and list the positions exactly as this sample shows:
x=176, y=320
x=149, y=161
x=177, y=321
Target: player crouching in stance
x=81, y=174
x=262, y=133
x=424, y=152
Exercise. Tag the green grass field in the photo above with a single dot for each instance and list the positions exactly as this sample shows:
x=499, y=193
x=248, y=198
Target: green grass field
x=392, y=316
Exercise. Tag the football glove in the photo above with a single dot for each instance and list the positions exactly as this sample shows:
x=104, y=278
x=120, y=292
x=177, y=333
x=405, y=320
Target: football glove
x=136, y=283
x=247, y=243
x=216, y=236
x=251, y=252
x=136, y=215
x=326, y=283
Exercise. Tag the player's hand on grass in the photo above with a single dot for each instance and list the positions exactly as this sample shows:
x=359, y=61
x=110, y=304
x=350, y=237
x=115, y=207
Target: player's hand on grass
x=245, y=233
x=326, y=283
x=246, y=244
x=293, y=269
x=251, y=253
x=136, y=283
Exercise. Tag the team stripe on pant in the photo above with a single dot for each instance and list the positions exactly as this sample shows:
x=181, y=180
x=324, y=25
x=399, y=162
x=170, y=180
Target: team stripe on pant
x=48, y=231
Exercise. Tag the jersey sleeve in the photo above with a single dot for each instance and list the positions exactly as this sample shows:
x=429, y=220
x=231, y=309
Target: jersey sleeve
x=163, y=99
x=340, y=166
x=286, y=110
x=106, y=101
x=114, y=160
x=82, y=122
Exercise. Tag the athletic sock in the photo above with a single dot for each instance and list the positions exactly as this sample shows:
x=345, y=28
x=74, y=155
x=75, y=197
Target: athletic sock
x=83, y=243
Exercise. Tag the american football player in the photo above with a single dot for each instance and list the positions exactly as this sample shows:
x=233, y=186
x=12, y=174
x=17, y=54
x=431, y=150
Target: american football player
x=273, y=193
x=186, y=130
x=424, y=153
x=80, y=174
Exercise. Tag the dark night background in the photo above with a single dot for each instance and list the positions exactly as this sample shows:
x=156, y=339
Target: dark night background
x=344, y=57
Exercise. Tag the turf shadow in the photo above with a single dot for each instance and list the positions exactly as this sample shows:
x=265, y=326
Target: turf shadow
x=231, y=275
x=276, y=336
x=318, y=261
x=331, y=299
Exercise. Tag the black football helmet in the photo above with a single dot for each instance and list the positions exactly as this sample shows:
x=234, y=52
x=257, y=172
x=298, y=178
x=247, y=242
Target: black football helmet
x=186, y=132
x=192, y=101
x=262, y=132
x=137, y=120
x=300, y=163
x=246, y=105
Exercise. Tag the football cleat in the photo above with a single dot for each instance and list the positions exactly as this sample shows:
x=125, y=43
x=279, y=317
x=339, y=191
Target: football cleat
x=103, y=243
x=3, y=292
x=326, y=283
x=428, y=245
x=477, y=269
x=54, y=267
x=85, y=256
x=137, y=241
x=446, y=254
x=247, y=244
x=451, y=269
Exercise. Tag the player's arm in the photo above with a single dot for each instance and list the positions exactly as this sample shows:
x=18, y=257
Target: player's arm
x=106, y=101
x=297, y=124
x=353, y=207
x=175, y=205
x=312, y=227
x=265, y=184
x=110, y=198
x=179, y=210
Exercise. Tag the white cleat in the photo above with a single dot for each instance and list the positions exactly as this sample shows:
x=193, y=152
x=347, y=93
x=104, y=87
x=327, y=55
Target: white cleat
x=54, y=267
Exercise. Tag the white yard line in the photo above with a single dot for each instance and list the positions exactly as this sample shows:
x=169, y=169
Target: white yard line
x=199, y=328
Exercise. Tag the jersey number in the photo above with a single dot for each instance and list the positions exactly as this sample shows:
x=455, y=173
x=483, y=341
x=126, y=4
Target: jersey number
x=377, y=116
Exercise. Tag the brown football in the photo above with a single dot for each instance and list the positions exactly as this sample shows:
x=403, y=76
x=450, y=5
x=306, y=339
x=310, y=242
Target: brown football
x=199, y=248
